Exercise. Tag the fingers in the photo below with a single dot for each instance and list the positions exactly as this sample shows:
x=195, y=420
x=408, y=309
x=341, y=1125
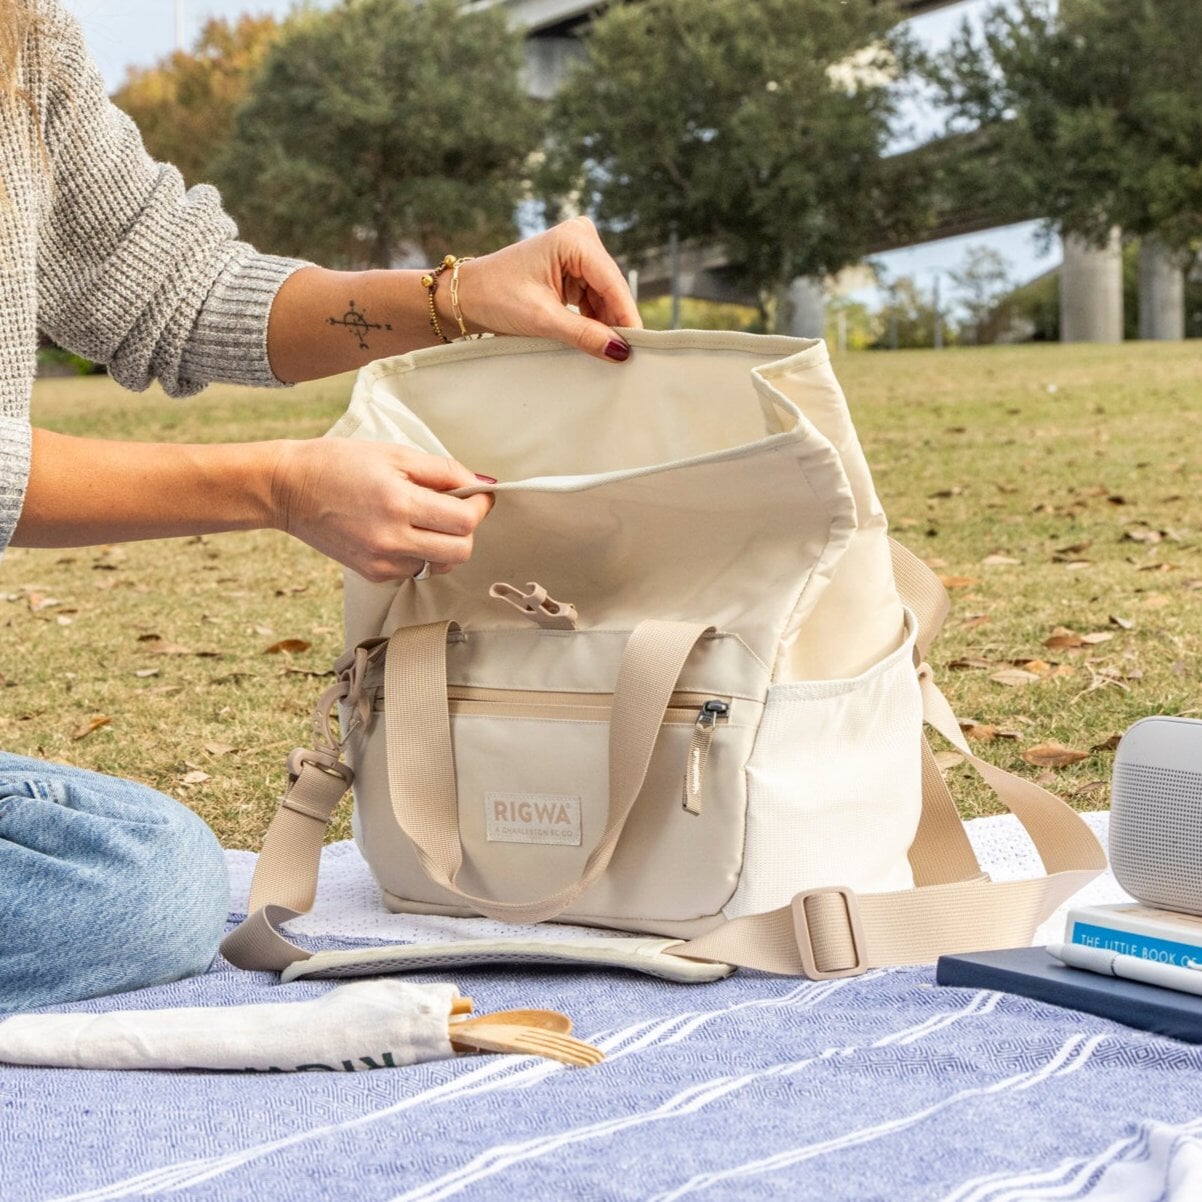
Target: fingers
x=607, y=292
x=438, y=472
x=586, y=333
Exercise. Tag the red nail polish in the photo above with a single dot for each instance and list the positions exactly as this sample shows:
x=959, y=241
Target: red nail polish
x=485, y=479
x=617, y=350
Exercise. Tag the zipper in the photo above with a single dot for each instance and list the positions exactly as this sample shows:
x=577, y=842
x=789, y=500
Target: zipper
x=700, y=710
x=464, y=700
x=699, y=750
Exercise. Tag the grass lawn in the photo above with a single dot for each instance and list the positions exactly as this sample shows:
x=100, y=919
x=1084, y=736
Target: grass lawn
x=1055, y=489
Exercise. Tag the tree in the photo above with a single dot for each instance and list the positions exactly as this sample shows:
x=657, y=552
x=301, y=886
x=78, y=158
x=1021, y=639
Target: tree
x=185, y=104
x=907, y=319
x=758, y=127
x=981, y=283
x=1092, y=111
x=381, y=125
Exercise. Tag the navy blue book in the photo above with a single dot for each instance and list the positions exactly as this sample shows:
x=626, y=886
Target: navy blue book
x=1031, y=972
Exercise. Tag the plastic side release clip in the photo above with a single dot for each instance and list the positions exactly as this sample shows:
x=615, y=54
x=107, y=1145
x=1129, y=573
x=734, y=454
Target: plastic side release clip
x=537, y=606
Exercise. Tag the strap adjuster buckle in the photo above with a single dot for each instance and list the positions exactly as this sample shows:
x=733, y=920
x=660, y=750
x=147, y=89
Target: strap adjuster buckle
x=805, y=944
x=326, y=761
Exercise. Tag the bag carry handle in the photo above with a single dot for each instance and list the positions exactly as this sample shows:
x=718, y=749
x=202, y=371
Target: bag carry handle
x=421, y=762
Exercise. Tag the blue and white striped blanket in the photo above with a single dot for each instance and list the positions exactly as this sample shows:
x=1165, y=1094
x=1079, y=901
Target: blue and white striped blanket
x=880, y=1087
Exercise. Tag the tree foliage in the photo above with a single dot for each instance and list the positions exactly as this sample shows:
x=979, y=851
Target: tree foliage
x=381, y=126
x=1094, y=113
x=908, y=317
x=758, y=127
x=185, y=104
x=981, y=281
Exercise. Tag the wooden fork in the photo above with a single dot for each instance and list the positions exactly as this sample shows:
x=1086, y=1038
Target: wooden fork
x=529, y=1041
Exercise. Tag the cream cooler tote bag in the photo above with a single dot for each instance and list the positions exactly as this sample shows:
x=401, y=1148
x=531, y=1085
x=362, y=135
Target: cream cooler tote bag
x=674, y=691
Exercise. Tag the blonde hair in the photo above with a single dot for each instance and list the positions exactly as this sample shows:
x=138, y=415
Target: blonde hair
x=17, y=19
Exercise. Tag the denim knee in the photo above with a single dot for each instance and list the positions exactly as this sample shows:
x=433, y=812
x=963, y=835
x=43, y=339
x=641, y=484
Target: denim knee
x=105, y=886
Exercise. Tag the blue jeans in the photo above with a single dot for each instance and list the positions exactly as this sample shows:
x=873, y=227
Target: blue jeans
x=105, y=886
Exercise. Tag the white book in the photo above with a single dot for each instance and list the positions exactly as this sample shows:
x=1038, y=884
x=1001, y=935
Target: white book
x=1132, y=929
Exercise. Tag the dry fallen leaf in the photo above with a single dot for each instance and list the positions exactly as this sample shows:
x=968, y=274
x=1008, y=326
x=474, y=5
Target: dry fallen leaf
x=220, y=748
x=1121, y=623
x=1062, y=638
x=969, y=661
x=145, y=672
x=983, y=731
x=1100, y=636
x=94, y=723
x=1040, y=667
x=1142, y=535
x=1108, y=744
x=948, y=759
x=1014, y=677
x=975, y=620
x=195, y=777
x=958, y=581
x=163, y=647
x=288, y=646
x=1053, y=755
x=999, y=561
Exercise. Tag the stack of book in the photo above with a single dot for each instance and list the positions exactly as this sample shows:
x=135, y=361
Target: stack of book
x=1132, y=963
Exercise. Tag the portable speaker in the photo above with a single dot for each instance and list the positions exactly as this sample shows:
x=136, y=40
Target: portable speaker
x=1156, y=813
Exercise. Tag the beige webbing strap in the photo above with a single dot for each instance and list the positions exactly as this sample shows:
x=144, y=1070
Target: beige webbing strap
x=941, y=852
x=421, y=765
x=922, y=593
x=285, y=880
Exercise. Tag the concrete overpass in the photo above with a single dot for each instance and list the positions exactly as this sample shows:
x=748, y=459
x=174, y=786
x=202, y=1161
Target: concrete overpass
x=1091, y=291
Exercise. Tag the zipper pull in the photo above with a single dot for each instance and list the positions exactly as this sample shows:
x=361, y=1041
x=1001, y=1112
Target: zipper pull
x=699, y=750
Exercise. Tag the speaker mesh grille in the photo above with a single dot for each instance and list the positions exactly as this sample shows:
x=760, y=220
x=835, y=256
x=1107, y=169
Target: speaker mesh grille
x=1156, y=835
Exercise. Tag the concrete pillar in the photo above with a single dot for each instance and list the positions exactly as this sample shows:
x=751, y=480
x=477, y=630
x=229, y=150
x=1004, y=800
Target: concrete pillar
x=548, y=61
x=806, y=308
x=1091, y=291
x=1161, y=292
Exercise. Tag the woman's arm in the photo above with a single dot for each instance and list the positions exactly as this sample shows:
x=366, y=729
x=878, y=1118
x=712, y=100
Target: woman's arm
x=87, y=491
x=324, y=322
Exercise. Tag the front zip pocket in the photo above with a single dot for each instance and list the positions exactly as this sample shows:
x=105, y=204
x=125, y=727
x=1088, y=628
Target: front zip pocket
x=703, y=711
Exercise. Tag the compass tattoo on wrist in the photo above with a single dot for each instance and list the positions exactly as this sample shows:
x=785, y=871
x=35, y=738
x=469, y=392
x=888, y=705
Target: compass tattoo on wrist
x=356, y=323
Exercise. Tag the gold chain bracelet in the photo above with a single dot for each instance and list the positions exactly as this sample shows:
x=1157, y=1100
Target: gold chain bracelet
x=455, y=309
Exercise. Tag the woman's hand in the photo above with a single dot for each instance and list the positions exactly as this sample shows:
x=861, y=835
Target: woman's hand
x=379, y=509
x=524, y=288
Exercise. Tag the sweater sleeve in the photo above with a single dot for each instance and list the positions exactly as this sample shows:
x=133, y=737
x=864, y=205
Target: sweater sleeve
x=134, y=270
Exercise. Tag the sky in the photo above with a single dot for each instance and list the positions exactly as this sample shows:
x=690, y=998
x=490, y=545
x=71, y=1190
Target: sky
x=122, y=33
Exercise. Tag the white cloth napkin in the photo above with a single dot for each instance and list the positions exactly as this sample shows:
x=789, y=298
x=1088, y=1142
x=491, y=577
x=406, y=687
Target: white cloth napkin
x=353, y=1028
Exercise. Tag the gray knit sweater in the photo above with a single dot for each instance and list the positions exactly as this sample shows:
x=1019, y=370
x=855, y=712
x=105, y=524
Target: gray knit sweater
x=104, y=250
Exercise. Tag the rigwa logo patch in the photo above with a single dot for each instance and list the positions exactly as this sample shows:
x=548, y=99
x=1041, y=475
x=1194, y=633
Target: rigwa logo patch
x=532, y=818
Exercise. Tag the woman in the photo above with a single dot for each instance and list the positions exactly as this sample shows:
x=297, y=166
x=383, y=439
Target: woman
x=106, y=885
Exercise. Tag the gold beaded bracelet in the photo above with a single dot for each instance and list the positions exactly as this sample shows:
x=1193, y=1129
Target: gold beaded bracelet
x=430, y=284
